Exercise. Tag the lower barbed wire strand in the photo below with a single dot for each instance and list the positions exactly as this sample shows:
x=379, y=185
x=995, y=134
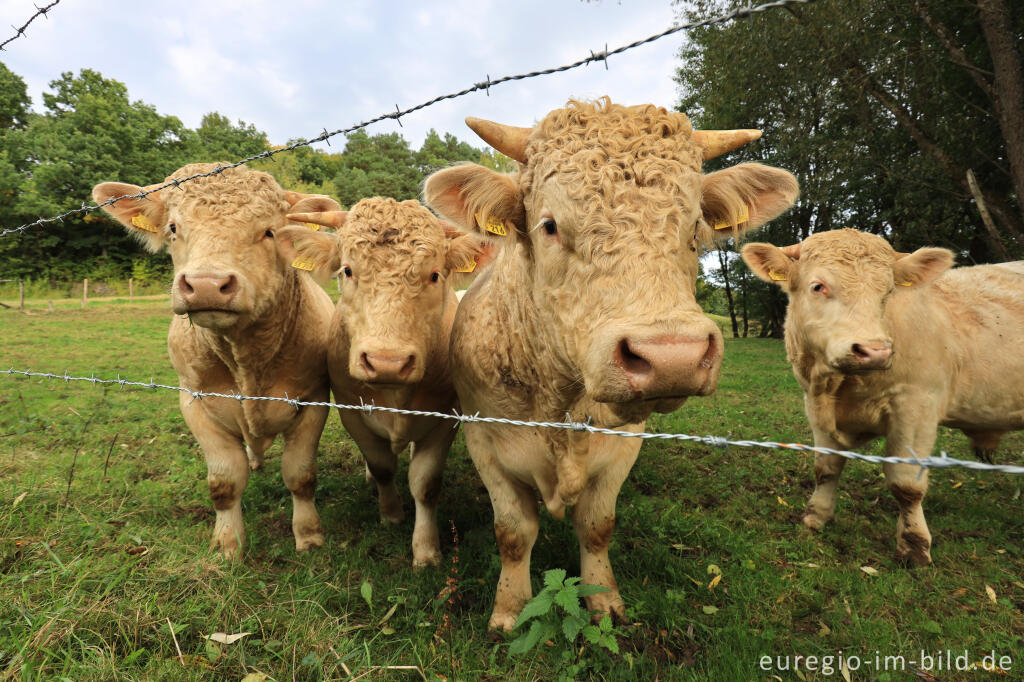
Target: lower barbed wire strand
x=930, y=462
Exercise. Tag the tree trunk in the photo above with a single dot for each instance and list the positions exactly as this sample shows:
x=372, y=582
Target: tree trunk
x=1008, y=80
x=723, y=263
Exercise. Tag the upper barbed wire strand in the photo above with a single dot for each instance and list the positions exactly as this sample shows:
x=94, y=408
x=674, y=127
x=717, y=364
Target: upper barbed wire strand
x=19, y=32
x=930, y=462
x=601, y=56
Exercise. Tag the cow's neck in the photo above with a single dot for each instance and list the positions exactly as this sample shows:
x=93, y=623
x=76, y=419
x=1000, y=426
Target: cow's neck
x=251, y=352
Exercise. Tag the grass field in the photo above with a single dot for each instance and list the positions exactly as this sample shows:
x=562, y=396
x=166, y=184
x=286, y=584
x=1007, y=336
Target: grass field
x=105, y=520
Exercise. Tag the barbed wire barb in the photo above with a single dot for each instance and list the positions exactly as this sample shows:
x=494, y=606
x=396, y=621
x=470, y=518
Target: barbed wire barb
x=396, y=115
x=930, y=462
x=19, y=32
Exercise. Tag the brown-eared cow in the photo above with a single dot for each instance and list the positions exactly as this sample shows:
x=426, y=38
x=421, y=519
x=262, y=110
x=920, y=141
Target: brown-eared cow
x=388, y=341
x=588, y=310
x=246, y=323
x=891, y=344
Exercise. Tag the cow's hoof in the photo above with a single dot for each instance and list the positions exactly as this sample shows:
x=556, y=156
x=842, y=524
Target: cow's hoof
x=503, y=622
x=814, y=521
x=606, y=603
x=426, y=559
x=393, y=514
x=227, y=550
x=308, y=542
x=985, y=455
x=914, y=551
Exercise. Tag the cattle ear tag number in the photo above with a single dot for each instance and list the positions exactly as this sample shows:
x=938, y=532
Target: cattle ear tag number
x=467, y=267
x=312, y=226
x=777, y=277
x=301, y=263
x=142, y=222
x=741, y=218
x=494, y=226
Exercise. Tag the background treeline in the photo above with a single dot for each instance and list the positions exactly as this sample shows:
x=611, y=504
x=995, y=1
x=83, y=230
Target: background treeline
x=90, y=131
x=880, y=107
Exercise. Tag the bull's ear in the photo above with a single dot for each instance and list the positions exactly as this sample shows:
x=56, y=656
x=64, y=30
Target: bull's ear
x=143, y=218
x=316, y=219
x=477, y=199
x=922, y=266
x=771, y=263
x=466, y=253
x=309, y=250
x=745, y=197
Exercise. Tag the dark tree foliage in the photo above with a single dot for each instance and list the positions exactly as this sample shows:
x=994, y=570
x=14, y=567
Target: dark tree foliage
x=90, y=131
x=880, y=108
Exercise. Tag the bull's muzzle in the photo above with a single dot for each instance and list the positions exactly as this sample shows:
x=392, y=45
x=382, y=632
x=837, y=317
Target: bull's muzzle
x=864, y=356
x=206, y=291
x=669, y=366
x=387, y=368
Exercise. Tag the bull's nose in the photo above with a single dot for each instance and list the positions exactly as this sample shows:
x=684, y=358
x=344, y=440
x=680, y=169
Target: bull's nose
x=669, y=365
x=872, y=355
x=207, y=291
x=385, y=368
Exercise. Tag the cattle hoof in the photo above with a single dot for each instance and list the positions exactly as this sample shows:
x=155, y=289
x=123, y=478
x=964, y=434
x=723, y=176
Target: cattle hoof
x=393, y=517
x=228, y=552
x=309, y=542
x=502, y=622
x=427, y=560
x=814, y=522
x=984, y=455
x=914, y=558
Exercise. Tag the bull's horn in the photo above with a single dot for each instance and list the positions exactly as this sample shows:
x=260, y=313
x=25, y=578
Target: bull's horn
x=333, y=219
x=718, y=142
x=509, y=140
x=793, y=251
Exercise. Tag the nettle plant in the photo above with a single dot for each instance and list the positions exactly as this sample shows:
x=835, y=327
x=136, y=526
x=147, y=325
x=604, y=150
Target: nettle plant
x=556, y=609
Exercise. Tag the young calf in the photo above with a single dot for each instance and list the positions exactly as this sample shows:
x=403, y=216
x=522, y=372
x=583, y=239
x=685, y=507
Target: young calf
x=886, y=344
x=388, y=342
x=246, y=322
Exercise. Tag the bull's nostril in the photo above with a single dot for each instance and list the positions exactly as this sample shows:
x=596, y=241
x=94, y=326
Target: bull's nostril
x=186, y=287
x=708, y=361
x=229, y=286
x=859, y=352
x=367, y=367
x=630, y=361
x=407, y=368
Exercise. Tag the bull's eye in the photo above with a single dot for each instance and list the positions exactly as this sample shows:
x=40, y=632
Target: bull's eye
x=550, y=227
x=435, y=276
x=269, y=234
x=173, y=228
x=347, y=270
x=818, y=288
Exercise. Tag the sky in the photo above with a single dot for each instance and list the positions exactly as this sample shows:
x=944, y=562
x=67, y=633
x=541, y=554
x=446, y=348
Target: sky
x=293, y=69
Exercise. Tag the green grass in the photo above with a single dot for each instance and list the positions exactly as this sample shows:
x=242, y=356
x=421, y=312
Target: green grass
x=91, y=573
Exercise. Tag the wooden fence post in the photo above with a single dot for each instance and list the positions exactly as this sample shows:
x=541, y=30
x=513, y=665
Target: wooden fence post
x=131, y=289
x=85, y=291
x=21, y=294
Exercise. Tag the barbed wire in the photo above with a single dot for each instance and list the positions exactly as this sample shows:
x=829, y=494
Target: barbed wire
x=930, y=462
x=601, y=56
x=19, y=32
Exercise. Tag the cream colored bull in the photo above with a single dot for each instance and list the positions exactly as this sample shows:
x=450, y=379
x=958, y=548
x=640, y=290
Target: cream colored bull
x=388, y=342
x=246, y=322
x=891, y=344
x=588, y=310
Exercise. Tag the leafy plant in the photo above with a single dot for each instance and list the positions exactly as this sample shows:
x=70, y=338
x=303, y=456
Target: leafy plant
x=556, y=609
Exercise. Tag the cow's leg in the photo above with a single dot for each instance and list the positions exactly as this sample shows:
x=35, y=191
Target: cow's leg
x=594, y=519
x=909, y=483
x=298, y=469
x=515, y=522
x=985, y=443
x=827, y=469
x=425, y=470
x=227, y=473
x=381, y=463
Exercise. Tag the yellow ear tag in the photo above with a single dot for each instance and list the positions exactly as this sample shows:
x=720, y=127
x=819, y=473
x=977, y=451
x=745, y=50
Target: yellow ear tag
x=776, y=276
x=743, y=217
x=468, y=267
x=905, y=284
x=494, y=226
x=301, y=263
x=312, y=226
x=142, y=222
